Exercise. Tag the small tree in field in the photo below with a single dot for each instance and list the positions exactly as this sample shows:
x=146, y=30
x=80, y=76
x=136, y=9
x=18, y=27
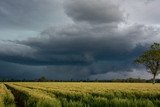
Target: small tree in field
x=151, y=60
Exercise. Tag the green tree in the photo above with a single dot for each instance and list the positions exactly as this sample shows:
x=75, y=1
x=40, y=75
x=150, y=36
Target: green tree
x=151, y=60
x=42, y=79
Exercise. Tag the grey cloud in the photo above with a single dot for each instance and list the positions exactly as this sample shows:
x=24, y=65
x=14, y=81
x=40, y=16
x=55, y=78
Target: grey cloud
x=23, y=54
x=83, y=50
x=17, y=71
x=32, y=14
x=68, y=72
x=84, y=44
x=84, y=47
x=142, y=11
x=121, y=75
x=93, y=11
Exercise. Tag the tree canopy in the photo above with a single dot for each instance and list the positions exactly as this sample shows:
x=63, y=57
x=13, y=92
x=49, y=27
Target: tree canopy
x=151, y=60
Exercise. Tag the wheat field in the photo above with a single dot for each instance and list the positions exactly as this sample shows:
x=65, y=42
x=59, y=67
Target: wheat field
x=83, y=94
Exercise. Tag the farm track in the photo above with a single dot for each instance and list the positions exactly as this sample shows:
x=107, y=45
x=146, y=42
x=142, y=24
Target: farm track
x=6, y=97
x=17, y=99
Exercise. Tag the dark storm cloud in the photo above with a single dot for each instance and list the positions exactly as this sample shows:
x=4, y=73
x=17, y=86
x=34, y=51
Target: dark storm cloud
x=80, y=47
x=82, y=43
x=23, y=54
x=16, y=71
x=68, y=72
x=97, y=42
x=93, y=11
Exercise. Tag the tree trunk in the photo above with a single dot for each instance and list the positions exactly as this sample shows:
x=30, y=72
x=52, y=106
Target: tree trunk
x=154, y=79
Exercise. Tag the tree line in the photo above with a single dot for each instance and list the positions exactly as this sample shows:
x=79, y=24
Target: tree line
x=43, y=79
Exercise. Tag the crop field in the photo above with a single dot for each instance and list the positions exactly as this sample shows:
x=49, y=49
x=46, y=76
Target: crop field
x=6, y=97
x=79, y=94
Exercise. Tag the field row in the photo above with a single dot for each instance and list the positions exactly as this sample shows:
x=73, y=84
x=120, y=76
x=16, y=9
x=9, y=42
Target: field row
x=26, y=97
x=85, y=94
x=6, y=97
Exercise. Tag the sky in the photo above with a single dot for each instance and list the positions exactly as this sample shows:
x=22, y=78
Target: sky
x=76, y=39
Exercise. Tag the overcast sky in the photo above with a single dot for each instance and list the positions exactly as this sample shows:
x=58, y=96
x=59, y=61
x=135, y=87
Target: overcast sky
x=76, y=39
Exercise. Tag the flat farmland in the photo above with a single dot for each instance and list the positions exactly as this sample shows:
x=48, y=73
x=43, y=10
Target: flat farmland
x=84, y=94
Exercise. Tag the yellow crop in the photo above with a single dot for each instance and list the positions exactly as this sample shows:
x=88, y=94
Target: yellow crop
x=86, y=94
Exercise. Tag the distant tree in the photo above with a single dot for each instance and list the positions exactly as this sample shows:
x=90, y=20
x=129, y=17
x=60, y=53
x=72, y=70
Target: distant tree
x=42, y=79
x=151, y=60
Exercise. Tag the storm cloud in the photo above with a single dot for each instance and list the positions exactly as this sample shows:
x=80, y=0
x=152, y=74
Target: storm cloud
x=99, y=40
x=93, y=11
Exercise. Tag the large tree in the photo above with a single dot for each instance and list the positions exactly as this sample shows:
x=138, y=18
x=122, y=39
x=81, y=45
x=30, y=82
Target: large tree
x=151, y=60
